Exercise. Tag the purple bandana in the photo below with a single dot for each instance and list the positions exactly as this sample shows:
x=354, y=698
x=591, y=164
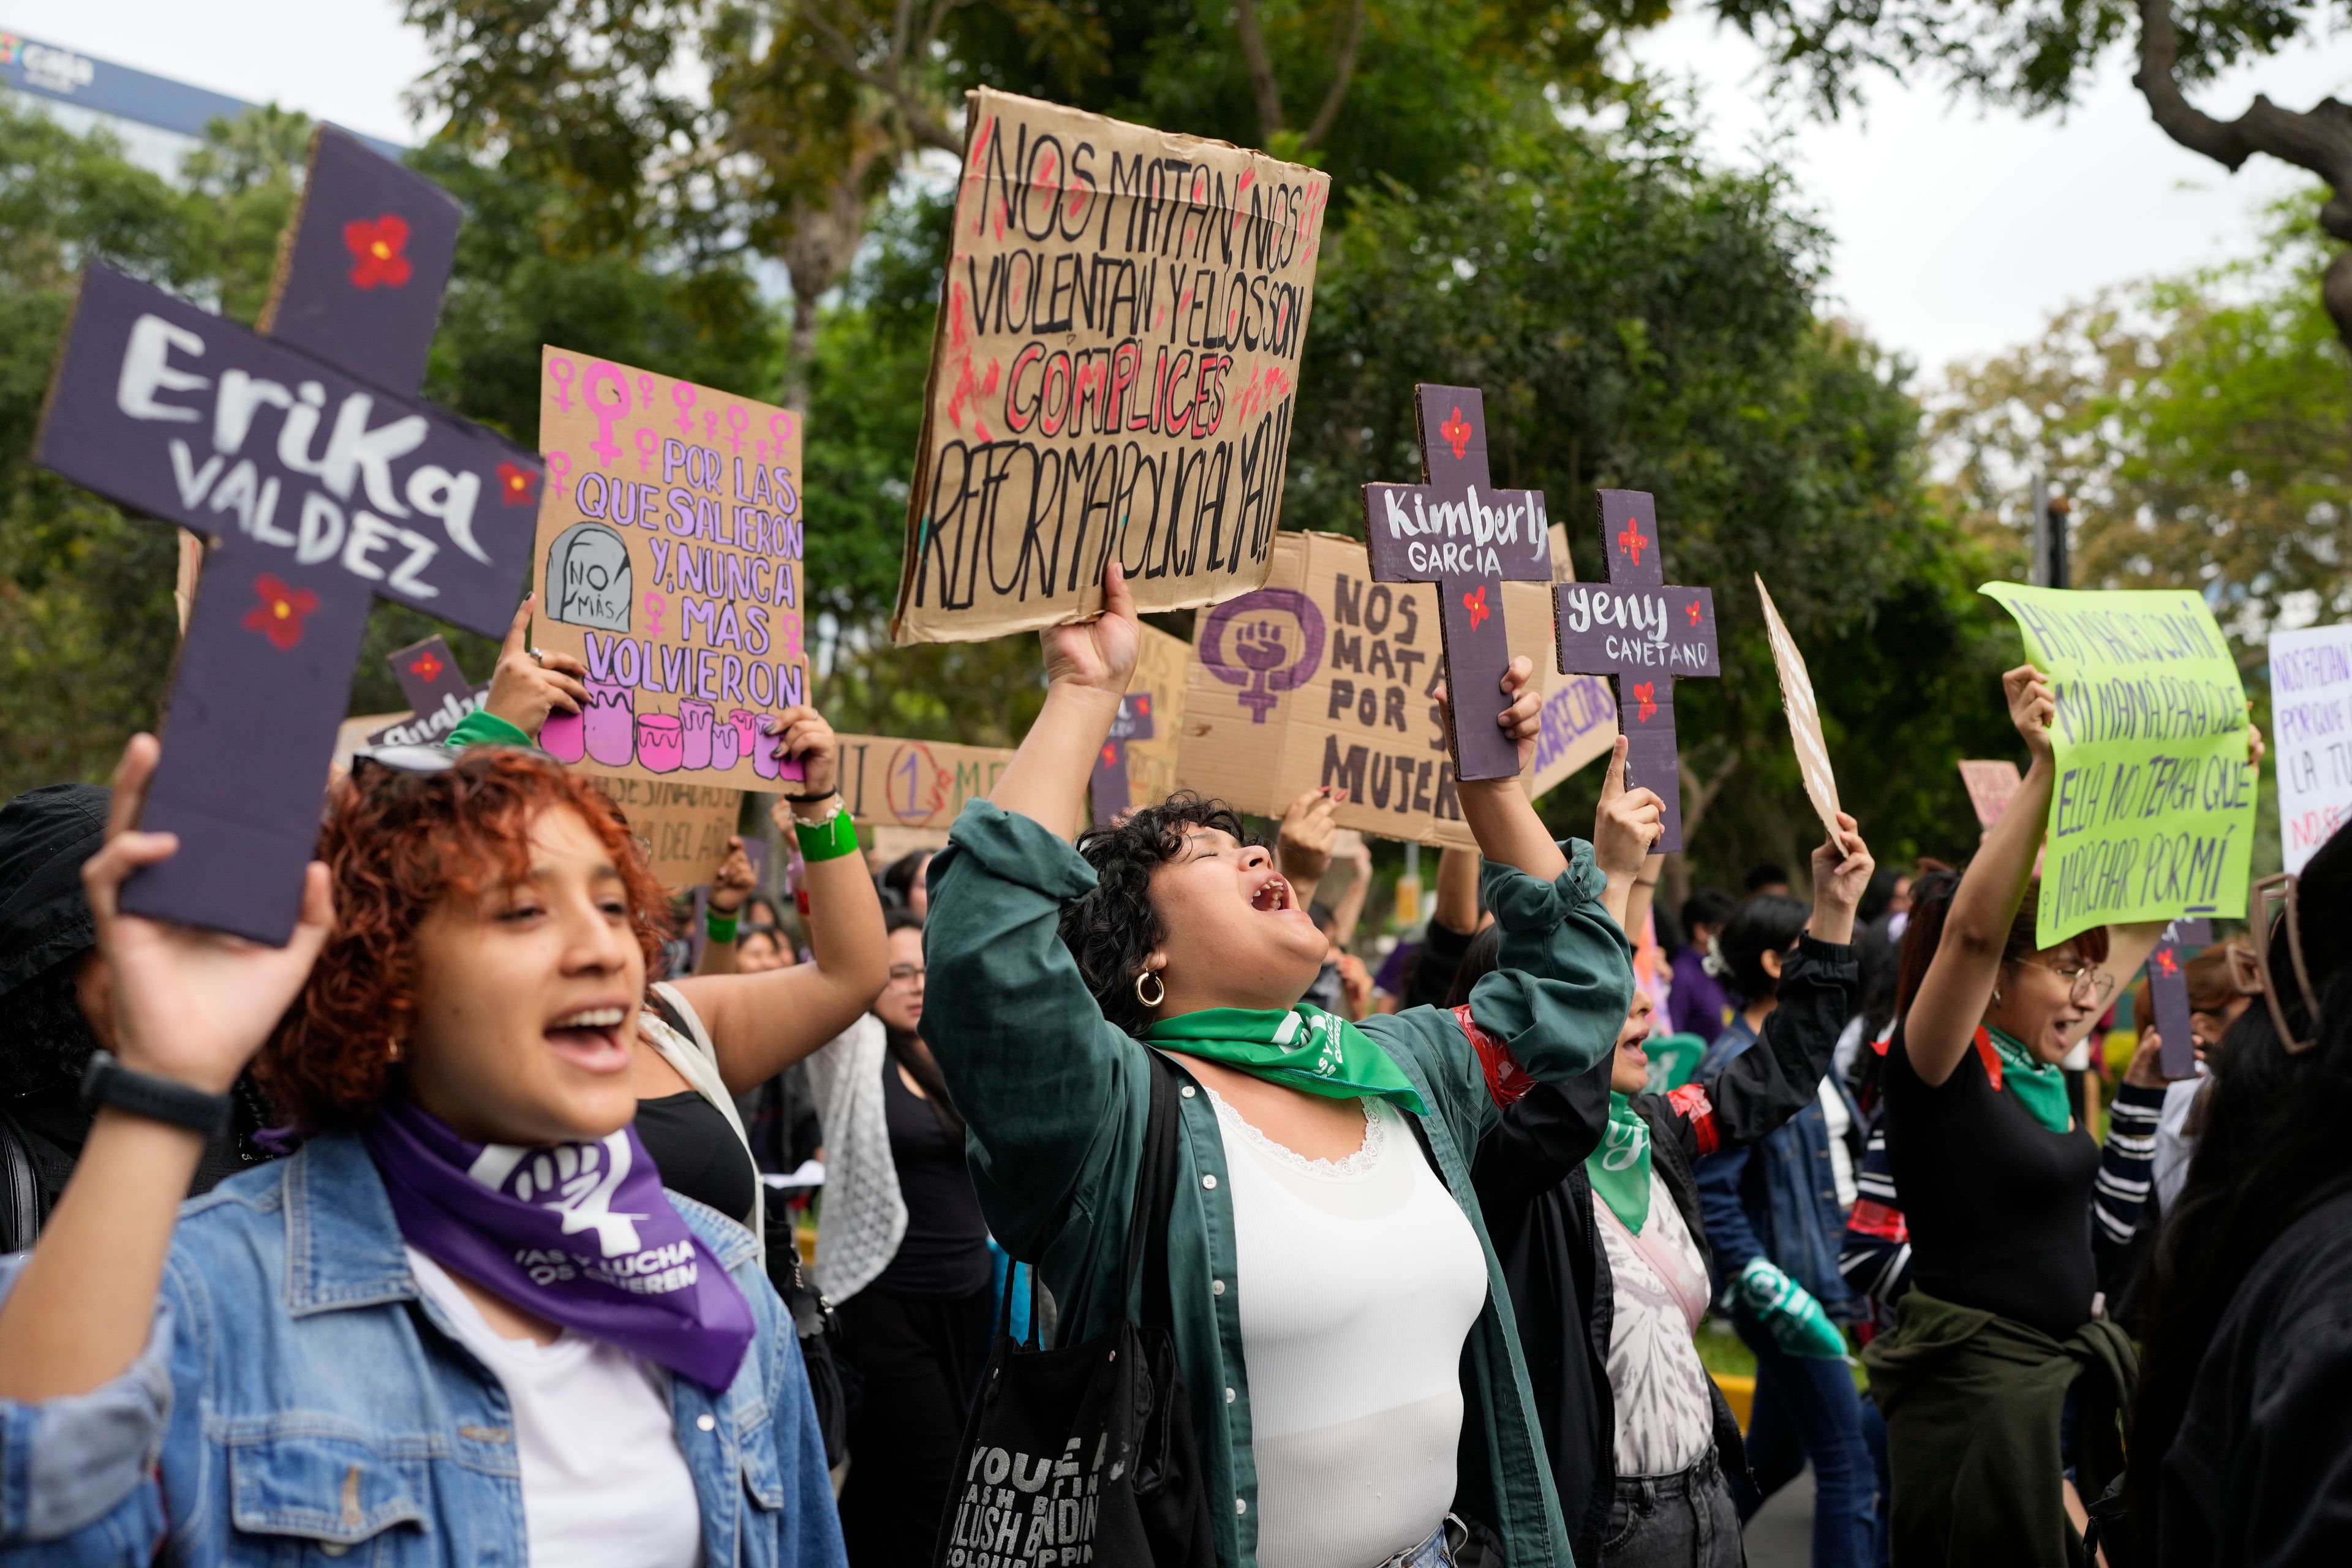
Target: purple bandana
x=581, y=1234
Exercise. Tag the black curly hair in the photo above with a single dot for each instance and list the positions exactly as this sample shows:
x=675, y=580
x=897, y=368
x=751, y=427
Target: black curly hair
x=1113, y=928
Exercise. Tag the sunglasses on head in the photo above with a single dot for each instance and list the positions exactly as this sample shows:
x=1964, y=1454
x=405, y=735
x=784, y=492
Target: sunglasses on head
x=2281, y=887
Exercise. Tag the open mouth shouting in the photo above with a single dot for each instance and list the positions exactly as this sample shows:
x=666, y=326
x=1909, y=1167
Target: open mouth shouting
x=1274, y=896
x=590, y=1038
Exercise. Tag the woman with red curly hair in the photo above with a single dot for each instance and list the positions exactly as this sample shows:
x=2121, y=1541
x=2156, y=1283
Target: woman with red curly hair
x=464, y=1324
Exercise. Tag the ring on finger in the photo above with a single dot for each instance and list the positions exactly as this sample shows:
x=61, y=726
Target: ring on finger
x=538, y=657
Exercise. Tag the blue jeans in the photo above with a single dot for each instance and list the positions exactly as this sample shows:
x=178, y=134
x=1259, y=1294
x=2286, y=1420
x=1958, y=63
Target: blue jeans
x=1807, y=1409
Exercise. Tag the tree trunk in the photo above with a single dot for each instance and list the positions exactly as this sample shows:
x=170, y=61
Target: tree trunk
x=2319, y=140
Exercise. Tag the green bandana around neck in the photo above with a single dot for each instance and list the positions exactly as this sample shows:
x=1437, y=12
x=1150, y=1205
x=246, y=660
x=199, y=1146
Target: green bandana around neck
x=2039, y=1086
x=1303, y=1048
x=1620, y=1168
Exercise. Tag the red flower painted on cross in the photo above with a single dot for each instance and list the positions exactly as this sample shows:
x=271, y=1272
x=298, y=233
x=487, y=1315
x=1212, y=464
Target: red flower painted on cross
x=377, y=251
x=515, y=483
x=1645, y=694
x=1457, y=432
x=427, y=667
x=279, y=615
x=1476, y=604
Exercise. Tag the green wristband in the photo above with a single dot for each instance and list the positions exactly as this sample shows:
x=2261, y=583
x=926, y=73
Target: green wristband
x=720, y=928
x=826, y=840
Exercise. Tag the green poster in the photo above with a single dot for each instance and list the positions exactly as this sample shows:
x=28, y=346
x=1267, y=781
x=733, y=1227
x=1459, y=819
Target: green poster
x=2153, y=816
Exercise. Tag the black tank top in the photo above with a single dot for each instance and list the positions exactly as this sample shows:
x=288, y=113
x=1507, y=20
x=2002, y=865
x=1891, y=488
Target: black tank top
x=697, y=1152
x=1998, y=1205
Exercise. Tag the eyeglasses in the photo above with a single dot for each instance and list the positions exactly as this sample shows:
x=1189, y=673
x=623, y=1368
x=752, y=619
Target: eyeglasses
x=907, y=974
x=2087, y=985
x=2282, y=887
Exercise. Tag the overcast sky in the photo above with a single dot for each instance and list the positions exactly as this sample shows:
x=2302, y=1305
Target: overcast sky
x=1958, y=231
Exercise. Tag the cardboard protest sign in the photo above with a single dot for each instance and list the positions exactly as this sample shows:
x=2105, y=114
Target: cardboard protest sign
x=669, y=562
x=302, y=451
x=1647, y=634
x=2153, y=814
x=2311, y=736
x=1443, y=531
x=1989, y=785
x=916, y=784
x=685, y=828
x=1804, y=717
x=1113, y=369
x=1324, y=676
x=1161, y=666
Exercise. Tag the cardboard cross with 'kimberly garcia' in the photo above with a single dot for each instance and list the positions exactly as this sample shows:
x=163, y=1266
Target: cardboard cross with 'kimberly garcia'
x=1646, y=632
x=1456, y=530
x=304, y=453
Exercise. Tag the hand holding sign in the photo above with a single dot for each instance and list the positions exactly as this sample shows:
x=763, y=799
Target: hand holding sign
x=189, y=1005
x=1628, y=821
x=2033, y=707
x=1842, y=871
x=1098, y=655
x=528, y=684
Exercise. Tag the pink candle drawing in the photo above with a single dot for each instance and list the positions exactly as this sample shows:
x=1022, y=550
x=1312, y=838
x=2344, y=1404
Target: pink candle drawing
x=746, y=725
x=764, y=760
x=723, y=753
x=611, y=722
x=565, y=736
x=695, y=718
x=661, y=742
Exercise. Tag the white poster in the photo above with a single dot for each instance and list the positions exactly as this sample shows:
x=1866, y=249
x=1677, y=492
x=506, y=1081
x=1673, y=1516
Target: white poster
x=2311, y=735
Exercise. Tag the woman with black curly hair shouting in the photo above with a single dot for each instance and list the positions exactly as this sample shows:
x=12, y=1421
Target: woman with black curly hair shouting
x=1326, y=1261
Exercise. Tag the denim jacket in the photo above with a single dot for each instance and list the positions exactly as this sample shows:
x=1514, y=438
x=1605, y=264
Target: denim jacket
x=301, y=1401
x=1778, y=1198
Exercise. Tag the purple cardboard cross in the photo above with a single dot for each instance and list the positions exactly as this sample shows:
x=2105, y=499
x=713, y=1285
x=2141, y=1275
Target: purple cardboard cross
x=1646, y=634
x=2168, y=991
x=1456, y=530
x=440, y=695
x=1107, y=790
x=303, y=451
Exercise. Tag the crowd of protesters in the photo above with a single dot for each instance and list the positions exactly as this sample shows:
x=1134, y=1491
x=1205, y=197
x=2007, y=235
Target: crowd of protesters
x=453, y=1232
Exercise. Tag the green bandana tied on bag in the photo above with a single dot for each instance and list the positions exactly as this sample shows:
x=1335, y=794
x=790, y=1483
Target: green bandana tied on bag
x=1303, y=1048
x=1620, y=1168
x=2039, y=1086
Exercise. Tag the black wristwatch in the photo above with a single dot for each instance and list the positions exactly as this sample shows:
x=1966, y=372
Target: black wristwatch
x=108, y=1082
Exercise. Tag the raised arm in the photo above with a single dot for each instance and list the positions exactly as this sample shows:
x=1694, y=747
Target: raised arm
x=762, y=1024
x=732, y=886
x=1961, y=976
x=191, y=1006
x=1086, y=671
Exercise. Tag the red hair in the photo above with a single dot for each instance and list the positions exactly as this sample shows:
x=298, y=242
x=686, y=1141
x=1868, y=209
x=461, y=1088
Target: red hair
x=395, y=846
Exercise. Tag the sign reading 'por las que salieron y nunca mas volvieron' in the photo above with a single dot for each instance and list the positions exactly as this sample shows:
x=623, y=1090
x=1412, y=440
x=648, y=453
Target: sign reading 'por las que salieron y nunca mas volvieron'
x=669, y=562
x=1113, y=372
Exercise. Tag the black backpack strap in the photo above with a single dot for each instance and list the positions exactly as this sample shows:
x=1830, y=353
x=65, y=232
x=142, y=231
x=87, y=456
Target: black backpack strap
x=20, y=1190
x=1156, y=1176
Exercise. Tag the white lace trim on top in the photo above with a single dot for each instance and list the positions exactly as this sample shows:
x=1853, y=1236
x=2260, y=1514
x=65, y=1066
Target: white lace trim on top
x=1356, y=1166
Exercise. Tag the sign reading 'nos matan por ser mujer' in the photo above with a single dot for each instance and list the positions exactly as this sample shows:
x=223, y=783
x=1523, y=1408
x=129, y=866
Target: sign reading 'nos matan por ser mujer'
x=1113, y=372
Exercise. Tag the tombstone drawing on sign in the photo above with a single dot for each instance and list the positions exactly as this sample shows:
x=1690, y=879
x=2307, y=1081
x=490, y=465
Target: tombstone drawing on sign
x=1107, y=790
x=2167, y=993
x=1266, y=642
x=1647, y=634
x=589, y=578
x=305, y=453
x=1456, y=530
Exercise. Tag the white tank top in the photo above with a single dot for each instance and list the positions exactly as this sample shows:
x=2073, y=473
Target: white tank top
x=1359, y=1281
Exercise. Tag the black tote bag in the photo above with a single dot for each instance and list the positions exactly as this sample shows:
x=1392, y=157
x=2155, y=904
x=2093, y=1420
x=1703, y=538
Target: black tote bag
x=1084, y=1454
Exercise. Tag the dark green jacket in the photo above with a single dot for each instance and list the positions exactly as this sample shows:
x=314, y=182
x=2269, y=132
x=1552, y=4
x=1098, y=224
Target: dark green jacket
x=1973, y=1402
x=1056, y=1099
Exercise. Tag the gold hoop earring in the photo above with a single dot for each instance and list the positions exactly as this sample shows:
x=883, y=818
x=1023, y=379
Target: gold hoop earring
x=391, y=1052
x=1160, y=988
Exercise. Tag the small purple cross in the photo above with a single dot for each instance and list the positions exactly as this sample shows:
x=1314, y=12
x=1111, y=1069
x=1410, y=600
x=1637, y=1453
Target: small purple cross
x=1456, y=530
x=1645, y=633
